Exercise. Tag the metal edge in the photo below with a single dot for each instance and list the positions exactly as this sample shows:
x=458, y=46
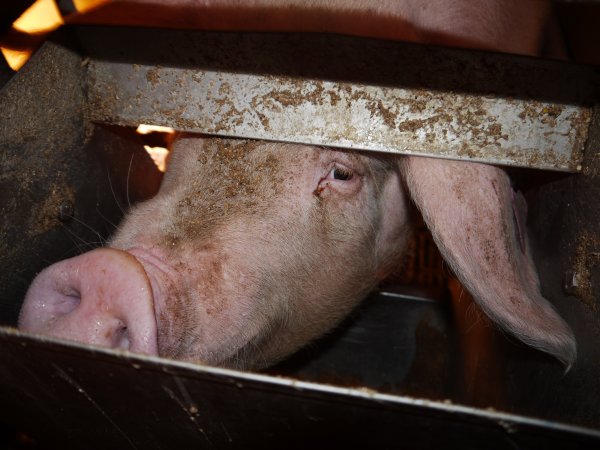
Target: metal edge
x=505, y=420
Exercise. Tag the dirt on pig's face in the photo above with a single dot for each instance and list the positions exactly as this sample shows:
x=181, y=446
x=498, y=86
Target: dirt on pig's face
x=253, y=249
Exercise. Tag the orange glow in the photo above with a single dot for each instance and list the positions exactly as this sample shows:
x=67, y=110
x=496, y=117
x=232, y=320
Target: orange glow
x=145, y=129
x=159, y=156
x=41, y=17
x=86, y=5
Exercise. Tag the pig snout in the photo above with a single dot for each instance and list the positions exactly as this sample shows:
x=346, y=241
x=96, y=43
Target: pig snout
x=105, y=289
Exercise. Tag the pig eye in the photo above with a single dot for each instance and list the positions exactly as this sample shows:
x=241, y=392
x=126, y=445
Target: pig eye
x=340, y=178
x=340, y=173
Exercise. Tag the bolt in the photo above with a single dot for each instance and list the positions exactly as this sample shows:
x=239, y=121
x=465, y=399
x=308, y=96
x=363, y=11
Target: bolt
x=571, y=282
x=66, y=210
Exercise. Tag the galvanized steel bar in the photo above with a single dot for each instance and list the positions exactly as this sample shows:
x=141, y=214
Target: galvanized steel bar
x=417, y=114
x=411, y=121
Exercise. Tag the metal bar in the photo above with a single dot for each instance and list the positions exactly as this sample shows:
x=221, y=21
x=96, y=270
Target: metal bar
x=213, y=408
x=347, y=92
x=410, y=121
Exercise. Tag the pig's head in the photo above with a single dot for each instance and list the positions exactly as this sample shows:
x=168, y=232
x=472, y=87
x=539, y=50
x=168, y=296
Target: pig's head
x=248, y=251
x=251, y=249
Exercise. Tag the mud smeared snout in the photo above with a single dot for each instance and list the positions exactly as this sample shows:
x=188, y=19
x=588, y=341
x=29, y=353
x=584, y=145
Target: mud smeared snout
x=101, y=298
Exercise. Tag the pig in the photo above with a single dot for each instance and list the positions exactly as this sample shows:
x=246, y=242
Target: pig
x=252, y=249
x=262, y=249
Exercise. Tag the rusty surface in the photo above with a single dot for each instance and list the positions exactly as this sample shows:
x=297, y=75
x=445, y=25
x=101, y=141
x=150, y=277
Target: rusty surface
x=63, y=182
x=514, y=132
x=478, y=107
x=41, y=134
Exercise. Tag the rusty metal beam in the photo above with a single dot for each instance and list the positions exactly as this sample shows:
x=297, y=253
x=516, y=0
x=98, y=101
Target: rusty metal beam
x=345, y=92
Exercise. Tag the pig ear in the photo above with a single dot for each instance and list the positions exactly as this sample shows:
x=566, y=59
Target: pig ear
x=468, y=208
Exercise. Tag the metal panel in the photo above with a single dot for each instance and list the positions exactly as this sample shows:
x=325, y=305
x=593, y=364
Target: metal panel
x=59, y=184
x=79, y=397
x=41, y=135
x=353, y=93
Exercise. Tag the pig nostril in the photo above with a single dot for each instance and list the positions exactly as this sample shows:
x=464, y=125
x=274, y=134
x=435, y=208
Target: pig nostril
x=65, y=303
x=122, y=340
x=100, y=298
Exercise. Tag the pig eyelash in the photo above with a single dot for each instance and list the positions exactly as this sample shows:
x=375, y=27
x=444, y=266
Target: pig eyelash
x=340, y=173
x=340, y=177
